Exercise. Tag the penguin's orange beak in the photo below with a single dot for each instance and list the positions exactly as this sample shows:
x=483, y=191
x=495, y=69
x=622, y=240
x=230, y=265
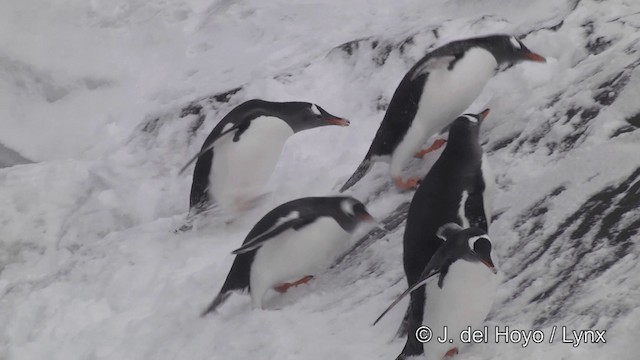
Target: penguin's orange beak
x=365, y=217
x=338, y=121
x=535, y=57
x=490, y=266
x=484, y=114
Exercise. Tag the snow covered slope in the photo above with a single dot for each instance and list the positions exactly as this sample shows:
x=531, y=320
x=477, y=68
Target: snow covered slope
x=112, y=97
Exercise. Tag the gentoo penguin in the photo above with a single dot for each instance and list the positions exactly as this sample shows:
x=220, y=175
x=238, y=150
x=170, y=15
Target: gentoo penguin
x=290, y=244
x=460, y=283
x=453, y=191
x=436, y=90
x=247, y=143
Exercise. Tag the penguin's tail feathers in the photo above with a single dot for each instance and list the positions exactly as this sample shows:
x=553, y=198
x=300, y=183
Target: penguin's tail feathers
x=360, y=172
x=219, y=300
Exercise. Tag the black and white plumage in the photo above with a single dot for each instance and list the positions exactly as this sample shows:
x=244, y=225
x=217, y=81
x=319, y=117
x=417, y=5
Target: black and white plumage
x=456, y=288
x=239, y=155
x=295, y=240
x=437, y=89
x=457, y=190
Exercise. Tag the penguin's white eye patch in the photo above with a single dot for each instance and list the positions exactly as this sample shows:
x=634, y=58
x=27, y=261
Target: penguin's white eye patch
x=314, y=109
x=347, y=207
x=473, y=239
x=471, y=118
x=515, y=43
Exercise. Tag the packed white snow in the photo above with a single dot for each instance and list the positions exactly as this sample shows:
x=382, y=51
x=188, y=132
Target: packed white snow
x=94, y=93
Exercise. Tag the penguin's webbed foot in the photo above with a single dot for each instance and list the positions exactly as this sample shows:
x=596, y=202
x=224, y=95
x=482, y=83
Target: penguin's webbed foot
x=408, y=184
x=246, y=204
x=451, y=353
x=282, y=288
x=437, y=144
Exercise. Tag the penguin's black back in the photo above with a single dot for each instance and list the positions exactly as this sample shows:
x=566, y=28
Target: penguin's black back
x=399, y=116
x=238, y=277
x=237, y=280
x=199, y=196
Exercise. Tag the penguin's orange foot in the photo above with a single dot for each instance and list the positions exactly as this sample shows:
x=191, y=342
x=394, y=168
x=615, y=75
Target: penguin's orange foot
x=437, y=144
x=451, y=353
x=410, y=183
x=282, y=288
x=245, y=204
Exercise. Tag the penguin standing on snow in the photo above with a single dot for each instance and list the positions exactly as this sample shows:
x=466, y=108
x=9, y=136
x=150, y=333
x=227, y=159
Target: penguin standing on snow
x=436, y=90
x=290, y=244
x=241, y=152
x=456, y=288
x=456, y=190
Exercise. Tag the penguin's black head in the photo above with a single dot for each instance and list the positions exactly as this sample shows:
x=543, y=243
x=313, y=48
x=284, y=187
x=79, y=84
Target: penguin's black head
x=472, y=244
x=302, y=116
x=480, y=250
x=479, y=247
x=350, y=212
x=508, y=49
x=466, y=128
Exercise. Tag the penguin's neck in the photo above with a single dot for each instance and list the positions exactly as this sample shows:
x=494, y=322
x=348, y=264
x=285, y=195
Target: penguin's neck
x=467, y=151
x=275, y=115
x=272, y=110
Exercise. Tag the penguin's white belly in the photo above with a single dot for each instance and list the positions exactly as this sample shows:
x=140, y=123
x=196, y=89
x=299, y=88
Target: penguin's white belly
x=240, y=170
x=464, y=300
x=446, y=95
x=295, y=254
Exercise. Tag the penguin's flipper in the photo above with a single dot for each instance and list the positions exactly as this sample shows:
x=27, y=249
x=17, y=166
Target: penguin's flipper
x=432, y=63
x=221, y=298
x=208, y=145
x=202, y=152
x=430, y=271
x=360, y=172
x=293, y=222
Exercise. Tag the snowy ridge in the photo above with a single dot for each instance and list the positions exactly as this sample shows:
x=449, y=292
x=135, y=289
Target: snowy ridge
x=90, y=267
